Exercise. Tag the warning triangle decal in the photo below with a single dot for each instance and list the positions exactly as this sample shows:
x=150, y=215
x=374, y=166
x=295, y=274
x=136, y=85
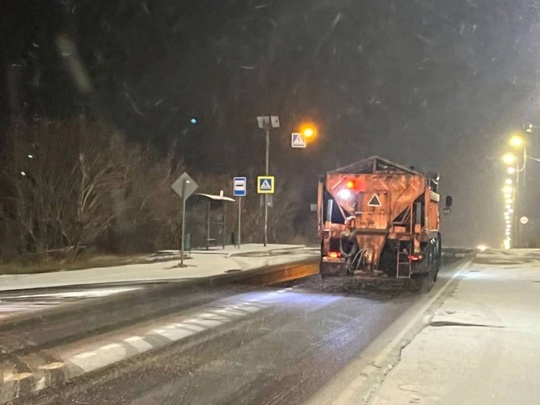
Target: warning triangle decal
x=265, y=185
x=374, y=202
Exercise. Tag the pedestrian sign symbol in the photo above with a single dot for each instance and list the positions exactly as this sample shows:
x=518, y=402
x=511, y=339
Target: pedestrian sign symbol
x=298, y=140
x=374, y=202
x=265, y=184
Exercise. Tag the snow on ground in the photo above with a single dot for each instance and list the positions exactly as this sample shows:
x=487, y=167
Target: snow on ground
x=482, y=346
x=199, y=264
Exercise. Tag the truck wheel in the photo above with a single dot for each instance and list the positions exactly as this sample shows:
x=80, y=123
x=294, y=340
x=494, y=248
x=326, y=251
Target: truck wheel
x=423, y=282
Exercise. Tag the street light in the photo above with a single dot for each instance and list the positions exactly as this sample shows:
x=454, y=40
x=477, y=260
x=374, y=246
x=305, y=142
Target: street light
x=511, y=170
x=516, y=141
x=509, y=158
x=308, y=130
x=508, y=181
x=508, y=189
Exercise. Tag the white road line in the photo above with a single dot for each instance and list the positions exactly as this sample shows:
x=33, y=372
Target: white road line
x=52, y=366
x=17, y=376
x=177, y=334
x=189, y=326
x=133, y=339
x=172, y=331
x=85, y=355
x=109, y=347
x=138, y=343
x=209, y=323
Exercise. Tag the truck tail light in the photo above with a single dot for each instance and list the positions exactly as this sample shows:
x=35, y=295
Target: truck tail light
x=415, y=258
x=334, y=255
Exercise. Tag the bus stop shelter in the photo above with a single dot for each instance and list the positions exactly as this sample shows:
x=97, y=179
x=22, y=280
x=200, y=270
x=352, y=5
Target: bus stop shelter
x=208, y=219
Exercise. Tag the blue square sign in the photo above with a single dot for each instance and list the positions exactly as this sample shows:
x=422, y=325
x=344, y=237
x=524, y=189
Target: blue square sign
x=239, y=186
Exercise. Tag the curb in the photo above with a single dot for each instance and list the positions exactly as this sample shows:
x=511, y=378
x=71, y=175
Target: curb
x=287, y=248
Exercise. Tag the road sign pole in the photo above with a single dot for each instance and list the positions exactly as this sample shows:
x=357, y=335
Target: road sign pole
x=183, y=243
x=266, y=195
x=184, y=186
x=239, y=221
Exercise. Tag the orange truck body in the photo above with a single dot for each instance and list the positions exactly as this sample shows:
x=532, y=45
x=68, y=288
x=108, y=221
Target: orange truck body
x=388, y=213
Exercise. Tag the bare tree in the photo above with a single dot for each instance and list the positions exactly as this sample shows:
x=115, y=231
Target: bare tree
x=61, y=176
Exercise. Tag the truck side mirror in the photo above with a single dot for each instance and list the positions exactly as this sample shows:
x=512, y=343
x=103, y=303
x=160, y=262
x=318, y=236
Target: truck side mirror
x=448, y=205
x=448, y=201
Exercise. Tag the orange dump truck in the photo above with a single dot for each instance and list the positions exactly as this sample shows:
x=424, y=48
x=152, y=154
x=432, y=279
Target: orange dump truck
x=378, y=219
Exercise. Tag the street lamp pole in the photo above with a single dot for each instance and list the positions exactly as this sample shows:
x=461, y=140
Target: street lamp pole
x=267, y=122
x=267, y=170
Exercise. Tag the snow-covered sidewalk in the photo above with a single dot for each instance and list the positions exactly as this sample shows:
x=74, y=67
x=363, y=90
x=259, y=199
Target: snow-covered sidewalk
x=482, y=345
x=199, y=264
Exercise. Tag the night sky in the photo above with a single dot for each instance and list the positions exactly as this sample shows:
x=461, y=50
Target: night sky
x=434, y=84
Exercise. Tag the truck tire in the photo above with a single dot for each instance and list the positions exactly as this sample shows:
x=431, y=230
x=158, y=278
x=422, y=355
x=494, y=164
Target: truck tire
x=423, y=282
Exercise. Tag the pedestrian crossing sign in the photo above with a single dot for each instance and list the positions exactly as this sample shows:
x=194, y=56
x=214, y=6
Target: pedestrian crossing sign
x=298, y=140
x=265, y=184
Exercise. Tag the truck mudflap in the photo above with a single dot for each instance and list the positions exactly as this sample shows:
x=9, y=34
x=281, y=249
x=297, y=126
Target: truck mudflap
x=331, y=267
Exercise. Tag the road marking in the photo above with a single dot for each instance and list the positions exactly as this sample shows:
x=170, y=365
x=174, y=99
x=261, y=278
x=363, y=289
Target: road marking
x=17, y=376
x=209, y=323
x=52, y=366
x=133, y=339
x=84, y=355
x=190, y=326
x=138, y=343
x=111, y=346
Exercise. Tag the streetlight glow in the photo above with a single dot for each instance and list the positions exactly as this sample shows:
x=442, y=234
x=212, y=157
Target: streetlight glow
x=509, y=158
x=308, y=130
x=508, y=181
x=511, y=170
x=508, y=189
x=516, y=141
